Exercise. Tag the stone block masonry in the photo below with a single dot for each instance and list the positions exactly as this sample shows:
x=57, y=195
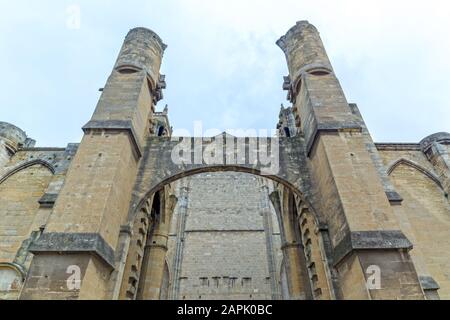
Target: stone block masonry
x=225, y=252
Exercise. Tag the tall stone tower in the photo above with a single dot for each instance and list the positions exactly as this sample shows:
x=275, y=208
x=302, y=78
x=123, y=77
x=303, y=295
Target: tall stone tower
x=84, y=227
x=362, y=226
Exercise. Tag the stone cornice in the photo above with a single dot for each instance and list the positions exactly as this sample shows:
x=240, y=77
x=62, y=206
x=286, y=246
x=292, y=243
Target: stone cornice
x=370, y=240
x=75, y=243
x=394, y=146
x=121, y=125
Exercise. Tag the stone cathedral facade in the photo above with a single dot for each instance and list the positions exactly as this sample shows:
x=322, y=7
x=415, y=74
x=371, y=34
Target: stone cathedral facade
x=114, y=217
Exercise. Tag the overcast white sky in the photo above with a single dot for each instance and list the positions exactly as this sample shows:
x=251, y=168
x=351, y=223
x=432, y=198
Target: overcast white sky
x=222, y=64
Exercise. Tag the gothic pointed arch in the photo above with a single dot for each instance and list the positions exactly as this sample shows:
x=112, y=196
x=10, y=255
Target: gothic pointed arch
x=144, y=194
x=416, y=166
x=24, y=165
x=20, y=191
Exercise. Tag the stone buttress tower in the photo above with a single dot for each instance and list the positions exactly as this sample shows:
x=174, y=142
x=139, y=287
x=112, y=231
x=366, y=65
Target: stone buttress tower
x=346, y=188
x=83, y=231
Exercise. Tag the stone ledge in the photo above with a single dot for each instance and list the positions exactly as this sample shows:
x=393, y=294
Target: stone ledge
x=126, y=229
x=428, y=283
x=371, y=240
x=42, y=149
x=48, y=200
x=74, y=243
x=123, y=125
x=394, y=146
x=394, y=197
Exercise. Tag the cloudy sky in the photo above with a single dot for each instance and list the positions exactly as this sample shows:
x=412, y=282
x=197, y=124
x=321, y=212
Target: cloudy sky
x=222, y=64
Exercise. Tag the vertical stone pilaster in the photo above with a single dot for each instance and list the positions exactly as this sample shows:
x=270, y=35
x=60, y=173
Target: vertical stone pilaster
x=268, y=228
x=292, y=247
x=155, y=254
x=156, y=250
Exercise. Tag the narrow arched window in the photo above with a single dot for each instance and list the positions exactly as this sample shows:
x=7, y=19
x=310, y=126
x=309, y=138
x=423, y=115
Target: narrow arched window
x=161, y=131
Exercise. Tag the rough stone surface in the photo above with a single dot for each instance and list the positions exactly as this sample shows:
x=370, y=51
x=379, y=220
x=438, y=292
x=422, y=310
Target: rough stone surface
x=226, y=249
x=138, y=225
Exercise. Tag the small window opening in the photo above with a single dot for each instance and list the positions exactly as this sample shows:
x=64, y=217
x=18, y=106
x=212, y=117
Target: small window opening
x=246, y=282
x=319, y=72
x=127, y=69
x=161, y=131
x=204, y=281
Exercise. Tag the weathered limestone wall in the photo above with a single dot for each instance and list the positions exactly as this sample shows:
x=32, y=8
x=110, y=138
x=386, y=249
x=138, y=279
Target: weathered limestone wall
x=19, y=196
x=29, y=184
x=424, y=215
x=104, y=165
x=226, y=239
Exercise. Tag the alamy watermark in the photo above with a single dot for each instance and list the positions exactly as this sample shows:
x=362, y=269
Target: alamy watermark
x=373, y=273
x=73, y=282
x=73, y=17
x=257, y=149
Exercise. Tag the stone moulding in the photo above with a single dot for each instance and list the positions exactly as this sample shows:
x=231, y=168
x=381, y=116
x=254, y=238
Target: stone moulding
x=428, y=283
x=48, y=200
x=428, y=173
x=75, y=243
x=393, y=146
x=371, y=240
x=122, y=125
x=19, y=269
x=394, y=197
